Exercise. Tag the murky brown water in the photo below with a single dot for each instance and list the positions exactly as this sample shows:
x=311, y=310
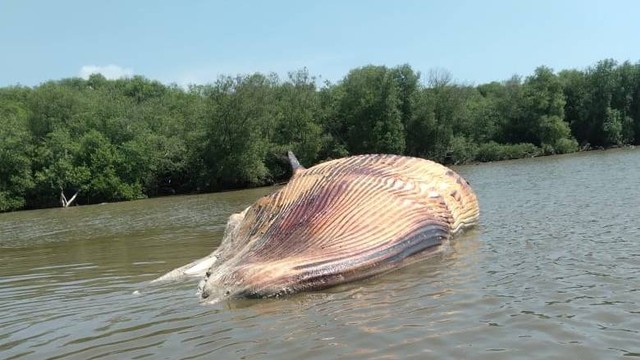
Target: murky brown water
x=552, y=272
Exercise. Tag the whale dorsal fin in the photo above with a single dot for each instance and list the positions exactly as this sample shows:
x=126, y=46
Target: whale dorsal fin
x=295, y=164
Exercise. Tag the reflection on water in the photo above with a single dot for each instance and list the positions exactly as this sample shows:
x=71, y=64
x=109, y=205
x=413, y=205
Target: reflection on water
x=552, y=272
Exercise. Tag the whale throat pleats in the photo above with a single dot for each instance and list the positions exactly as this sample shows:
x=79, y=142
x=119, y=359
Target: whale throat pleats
x=340, y=221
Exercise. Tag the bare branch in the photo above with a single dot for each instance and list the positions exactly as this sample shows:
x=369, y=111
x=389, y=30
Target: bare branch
x=72, y=198
x=439, y=77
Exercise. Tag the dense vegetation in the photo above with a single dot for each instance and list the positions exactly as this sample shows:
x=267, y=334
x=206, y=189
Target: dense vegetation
x=124, y=139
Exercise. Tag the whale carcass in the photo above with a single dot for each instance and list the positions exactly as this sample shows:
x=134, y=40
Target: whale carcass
x=339, y=221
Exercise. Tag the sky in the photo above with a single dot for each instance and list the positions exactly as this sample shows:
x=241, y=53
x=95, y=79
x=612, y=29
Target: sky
x=194, y=42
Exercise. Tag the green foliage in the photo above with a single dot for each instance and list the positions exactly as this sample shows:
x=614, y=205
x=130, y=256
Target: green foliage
x=612, y=126
x=56, y=167
x=462, y=150
x=15, y=162
x=565, y=146
x=493, y=151
x=370, y=107
x=421, y=127
x=603, y=103
x=295, y=127
x=542, y=121
x=555, y=135
x=237, y=122
x=130, y=138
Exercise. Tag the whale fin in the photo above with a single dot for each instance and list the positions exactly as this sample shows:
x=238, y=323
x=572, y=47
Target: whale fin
x=295, y=164
x=194, y=269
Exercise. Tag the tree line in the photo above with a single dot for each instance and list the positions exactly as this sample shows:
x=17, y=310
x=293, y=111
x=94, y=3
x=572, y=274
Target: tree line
x=111, y=140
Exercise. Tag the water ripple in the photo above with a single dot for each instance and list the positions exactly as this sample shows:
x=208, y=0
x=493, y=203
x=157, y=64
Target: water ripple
x=551, y=272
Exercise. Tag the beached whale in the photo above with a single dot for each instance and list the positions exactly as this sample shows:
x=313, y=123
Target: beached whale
x=339, y=221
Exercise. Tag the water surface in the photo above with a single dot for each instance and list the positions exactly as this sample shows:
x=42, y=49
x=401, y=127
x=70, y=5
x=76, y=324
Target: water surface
x=552, y=272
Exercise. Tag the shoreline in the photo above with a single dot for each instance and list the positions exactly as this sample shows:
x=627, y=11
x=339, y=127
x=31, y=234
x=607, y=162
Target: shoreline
x=580, y=151
x=474, y=163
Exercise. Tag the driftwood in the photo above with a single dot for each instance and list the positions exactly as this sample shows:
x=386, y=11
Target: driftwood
x=63, y=199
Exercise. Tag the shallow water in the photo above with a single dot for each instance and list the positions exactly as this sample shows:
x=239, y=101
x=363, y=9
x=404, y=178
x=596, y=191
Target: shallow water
x=552, y=272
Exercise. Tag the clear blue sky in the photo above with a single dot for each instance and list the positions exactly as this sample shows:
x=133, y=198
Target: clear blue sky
x=195, y=41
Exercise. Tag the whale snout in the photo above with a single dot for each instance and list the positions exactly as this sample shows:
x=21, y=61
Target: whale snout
x=253, y=282
x=211, y=294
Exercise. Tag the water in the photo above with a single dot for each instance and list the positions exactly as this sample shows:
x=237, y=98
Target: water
x=552, y=272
